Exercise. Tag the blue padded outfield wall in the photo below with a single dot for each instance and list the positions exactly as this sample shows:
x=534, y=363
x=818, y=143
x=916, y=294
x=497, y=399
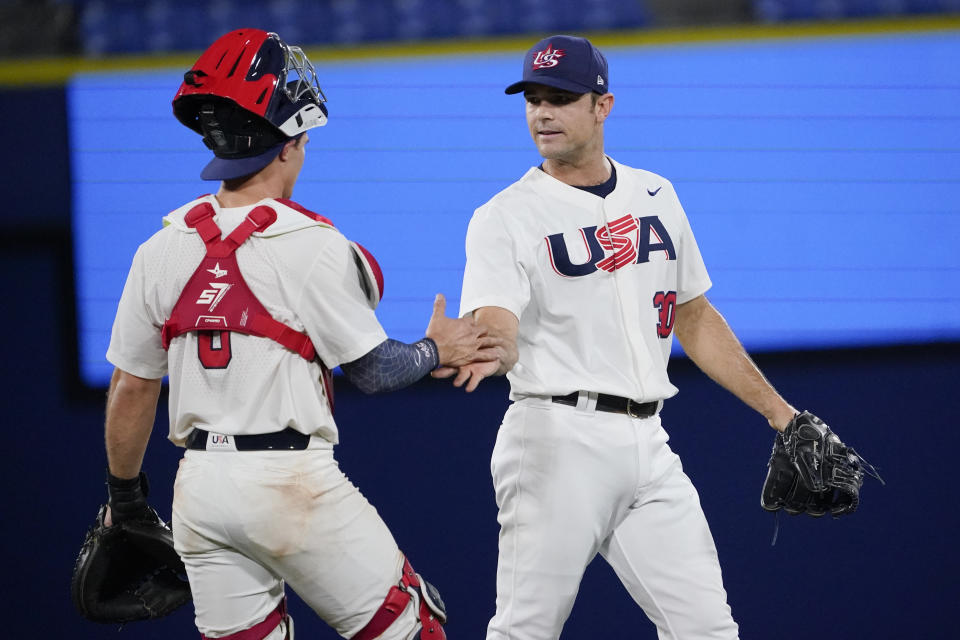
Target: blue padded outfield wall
x=820, y=175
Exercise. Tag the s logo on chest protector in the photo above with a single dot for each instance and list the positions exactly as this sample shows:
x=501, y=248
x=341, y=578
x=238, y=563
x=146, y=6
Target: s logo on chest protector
x=625, y=241
x=217, y=290
x=214, y=295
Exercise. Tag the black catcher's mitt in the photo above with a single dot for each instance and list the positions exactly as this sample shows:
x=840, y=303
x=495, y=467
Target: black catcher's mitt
x=128, y=571
x=811, y=471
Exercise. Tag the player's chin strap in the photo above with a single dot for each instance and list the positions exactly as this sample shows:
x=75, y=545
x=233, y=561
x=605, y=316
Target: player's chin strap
x=432, y=612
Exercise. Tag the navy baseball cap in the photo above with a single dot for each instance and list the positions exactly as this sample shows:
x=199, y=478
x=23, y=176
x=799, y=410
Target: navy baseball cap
x=242, y=141
x=564, y=62
x=230, y=168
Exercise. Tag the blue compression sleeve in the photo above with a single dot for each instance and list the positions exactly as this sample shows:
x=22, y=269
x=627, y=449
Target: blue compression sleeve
x=392, y=365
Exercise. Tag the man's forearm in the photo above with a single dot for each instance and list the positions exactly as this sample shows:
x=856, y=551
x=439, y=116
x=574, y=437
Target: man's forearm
x=392, y=365
x=131, y=411
x=711, y=344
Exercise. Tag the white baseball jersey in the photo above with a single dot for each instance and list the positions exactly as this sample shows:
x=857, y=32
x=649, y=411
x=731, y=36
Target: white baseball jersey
x=594, y=281
x=302, y=270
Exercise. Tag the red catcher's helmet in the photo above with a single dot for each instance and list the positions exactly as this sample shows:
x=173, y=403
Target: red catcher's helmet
x=258, y=72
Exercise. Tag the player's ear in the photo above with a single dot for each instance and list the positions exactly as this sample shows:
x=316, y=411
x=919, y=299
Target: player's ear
x=604, y=106
x=293, y=143
x=288, y=147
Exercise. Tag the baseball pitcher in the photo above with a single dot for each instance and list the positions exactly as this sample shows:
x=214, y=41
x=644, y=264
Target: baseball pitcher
x=589, y=268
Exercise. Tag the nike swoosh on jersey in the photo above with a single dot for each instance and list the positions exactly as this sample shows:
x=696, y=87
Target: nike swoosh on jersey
x=655, y=191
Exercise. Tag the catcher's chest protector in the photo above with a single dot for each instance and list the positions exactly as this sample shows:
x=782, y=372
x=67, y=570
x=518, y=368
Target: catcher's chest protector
x=217, y=299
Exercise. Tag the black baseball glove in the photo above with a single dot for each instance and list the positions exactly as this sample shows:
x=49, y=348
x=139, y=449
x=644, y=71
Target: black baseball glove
x=128, y=571
x=811, y=471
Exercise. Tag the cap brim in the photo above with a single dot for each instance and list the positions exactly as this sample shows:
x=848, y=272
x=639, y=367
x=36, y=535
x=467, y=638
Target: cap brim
x=556, y=83
x=230, y=168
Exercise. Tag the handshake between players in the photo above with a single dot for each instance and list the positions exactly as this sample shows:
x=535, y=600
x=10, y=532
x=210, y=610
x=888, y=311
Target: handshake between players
x=462, y=342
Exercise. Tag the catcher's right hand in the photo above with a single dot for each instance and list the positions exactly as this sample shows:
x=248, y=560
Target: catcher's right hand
x=128, y=571
x=811, y=471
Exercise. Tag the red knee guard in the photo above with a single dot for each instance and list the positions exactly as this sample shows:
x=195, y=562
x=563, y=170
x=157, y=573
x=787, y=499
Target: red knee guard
x=260, y=630
x=432, y=613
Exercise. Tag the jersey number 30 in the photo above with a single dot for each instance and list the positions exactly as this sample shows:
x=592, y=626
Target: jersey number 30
x=666, y=304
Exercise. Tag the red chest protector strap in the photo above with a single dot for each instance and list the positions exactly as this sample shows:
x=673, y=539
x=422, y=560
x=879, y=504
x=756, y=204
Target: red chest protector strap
x=217, y=298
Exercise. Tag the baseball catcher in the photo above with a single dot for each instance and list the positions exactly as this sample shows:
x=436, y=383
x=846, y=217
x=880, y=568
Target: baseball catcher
x=128, y=570
x=812, y=471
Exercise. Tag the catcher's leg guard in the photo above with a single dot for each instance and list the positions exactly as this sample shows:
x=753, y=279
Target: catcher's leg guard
x=426, y=600
x=278, y=625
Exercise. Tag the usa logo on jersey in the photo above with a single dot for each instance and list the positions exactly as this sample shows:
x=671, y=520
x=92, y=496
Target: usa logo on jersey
x=624, y=241
x=547, y=58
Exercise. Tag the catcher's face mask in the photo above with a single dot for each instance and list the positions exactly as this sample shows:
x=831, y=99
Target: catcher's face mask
x=301, y=77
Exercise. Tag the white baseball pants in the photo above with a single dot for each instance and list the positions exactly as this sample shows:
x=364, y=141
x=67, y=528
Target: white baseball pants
x=247, y=522
x=572, y=482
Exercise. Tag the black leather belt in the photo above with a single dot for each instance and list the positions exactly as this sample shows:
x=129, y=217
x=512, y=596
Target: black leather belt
x=289, y=439
x=613, y=404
